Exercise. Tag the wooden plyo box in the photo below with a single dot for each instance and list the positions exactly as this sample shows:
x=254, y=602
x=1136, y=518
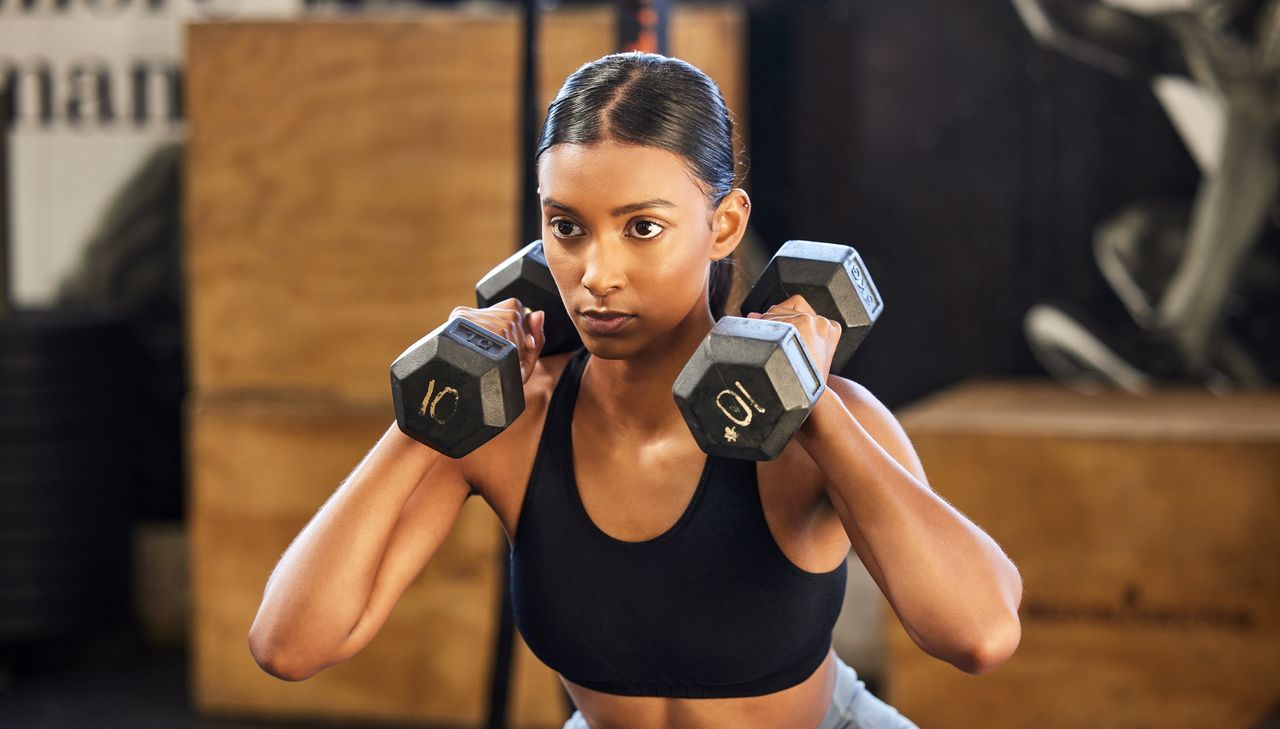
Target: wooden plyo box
x=263, y=467
x=1147, y=532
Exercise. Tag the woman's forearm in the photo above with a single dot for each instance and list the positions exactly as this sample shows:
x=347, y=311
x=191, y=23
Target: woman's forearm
x=951, y=585
x=321, y=586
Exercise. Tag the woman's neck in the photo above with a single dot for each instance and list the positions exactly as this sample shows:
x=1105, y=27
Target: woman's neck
x=633, y=395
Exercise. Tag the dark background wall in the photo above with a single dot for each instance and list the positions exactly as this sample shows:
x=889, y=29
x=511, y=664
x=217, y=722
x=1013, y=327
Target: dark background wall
x=966, y=164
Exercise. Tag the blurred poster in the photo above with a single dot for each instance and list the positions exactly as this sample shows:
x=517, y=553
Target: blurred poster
x=96, y=86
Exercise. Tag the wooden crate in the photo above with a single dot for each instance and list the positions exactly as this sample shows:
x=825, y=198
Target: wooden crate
x=349, y=182
x=261, y=469
x=1146, y=531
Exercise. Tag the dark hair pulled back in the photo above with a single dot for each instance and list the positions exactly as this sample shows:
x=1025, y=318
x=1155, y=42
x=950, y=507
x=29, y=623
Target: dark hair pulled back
x=653, y=101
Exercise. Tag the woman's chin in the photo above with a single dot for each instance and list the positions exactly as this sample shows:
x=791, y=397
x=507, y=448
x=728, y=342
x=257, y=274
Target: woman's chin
x=602, y=348
x=607, y=347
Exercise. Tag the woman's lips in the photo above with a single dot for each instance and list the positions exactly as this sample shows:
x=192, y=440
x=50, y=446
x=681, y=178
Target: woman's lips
x=604, y=325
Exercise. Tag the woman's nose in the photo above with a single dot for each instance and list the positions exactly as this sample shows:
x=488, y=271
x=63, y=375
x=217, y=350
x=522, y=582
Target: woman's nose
x=602, y=271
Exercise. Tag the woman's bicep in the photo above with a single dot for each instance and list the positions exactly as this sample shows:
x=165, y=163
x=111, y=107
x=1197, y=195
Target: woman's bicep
x=425, y=521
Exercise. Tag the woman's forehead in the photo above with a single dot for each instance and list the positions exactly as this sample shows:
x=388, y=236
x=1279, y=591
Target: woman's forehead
x=614, y=169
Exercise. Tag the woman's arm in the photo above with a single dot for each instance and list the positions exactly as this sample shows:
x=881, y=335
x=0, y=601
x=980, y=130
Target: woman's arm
x=951, y=585
x=337, y=582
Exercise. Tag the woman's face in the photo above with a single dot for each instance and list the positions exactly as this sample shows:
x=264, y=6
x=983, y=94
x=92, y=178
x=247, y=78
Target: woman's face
x=626, y=228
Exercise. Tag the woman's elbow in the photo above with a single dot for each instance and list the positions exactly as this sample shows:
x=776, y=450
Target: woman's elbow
x=998, y=647
x=276, y=661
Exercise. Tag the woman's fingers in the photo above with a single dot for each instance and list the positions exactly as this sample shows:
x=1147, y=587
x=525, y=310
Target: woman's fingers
x=820, y=334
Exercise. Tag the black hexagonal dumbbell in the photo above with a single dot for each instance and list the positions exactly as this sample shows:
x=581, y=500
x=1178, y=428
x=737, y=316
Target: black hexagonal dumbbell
x=460, y=385
x=527, y=277
x=751, y=384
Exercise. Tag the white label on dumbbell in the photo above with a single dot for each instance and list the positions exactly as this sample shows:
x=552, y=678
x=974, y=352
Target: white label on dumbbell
x=432, y=405
x=862, y=282
x=489, y=344
x=745, y=418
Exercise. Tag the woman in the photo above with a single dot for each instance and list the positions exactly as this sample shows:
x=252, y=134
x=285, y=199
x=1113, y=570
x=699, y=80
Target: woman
x=667, y=588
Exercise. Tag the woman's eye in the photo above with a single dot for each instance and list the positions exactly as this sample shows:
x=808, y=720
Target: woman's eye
x=647, y=229
x=564, y=228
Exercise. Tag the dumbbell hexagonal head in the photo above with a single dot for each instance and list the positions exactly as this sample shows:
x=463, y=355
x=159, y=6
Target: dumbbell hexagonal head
x=835, y=282
x=527, y=277
x=448, y=388
x=748, y=388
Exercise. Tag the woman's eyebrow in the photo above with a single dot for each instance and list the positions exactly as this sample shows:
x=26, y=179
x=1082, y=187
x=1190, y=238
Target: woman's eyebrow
x=656, y=202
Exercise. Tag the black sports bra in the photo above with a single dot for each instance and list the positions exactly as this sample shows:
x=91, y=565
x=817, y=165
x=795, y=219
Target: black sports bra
x=711, y=608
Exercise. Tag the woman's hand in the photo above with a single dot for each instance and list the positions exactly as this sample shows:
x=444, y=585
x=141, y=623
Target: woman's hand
x=820, y=334
x=510, y=320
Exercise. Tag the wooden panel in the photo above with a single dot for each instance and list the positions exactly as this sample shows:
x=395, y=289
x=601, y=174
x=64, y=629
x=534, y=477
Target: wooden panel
x=348, y=183
x=1146, y=531
x=262, y=469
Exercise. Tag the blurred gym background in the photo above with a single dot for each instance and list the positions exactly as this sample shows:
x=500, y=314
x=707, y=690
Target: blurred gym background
x=220, y=221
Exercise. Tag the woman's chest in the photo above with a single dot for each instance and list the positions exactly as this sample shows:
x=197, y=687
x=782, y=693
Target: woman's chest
x=637, y=491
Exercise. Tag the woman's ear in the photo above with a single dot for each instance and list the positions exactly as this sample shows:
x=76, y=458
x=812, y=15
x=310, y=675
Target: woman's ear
x=729, y=222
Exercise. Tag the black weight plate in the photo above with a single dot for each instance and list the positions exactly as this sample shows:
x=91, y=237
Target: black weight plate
x=103, y=487
x=47, y=371
x=53, y=525
x=20, y=489
x=16, y=514
x=22, y=519
x=111, y=383
x=47, y=568
x=97, y=386
x=40, y=498
x=58, y=619
x=74, y=455
x=66, y=407
x=115, y=547
x=52, y=504
x=117, y=351
x=63, y=330
x=68, y=597
x=101, y=472
x=65, y=549
x=55, y=425
x=88, y=436
x=33, y=428
x=87, y=594
x=86, y=546
x=40, y=526
x=46, y=592
x=109, y=575
x=43, y=626
x=40, y=570
x=112, y=374
x=69, y=539
x=124, y=432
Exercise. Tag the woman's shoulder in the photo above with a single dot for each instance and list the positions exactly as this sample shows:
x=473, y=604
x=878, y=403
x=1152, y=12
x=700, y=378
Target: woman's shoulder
x=485, y=466
x=547, y=373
